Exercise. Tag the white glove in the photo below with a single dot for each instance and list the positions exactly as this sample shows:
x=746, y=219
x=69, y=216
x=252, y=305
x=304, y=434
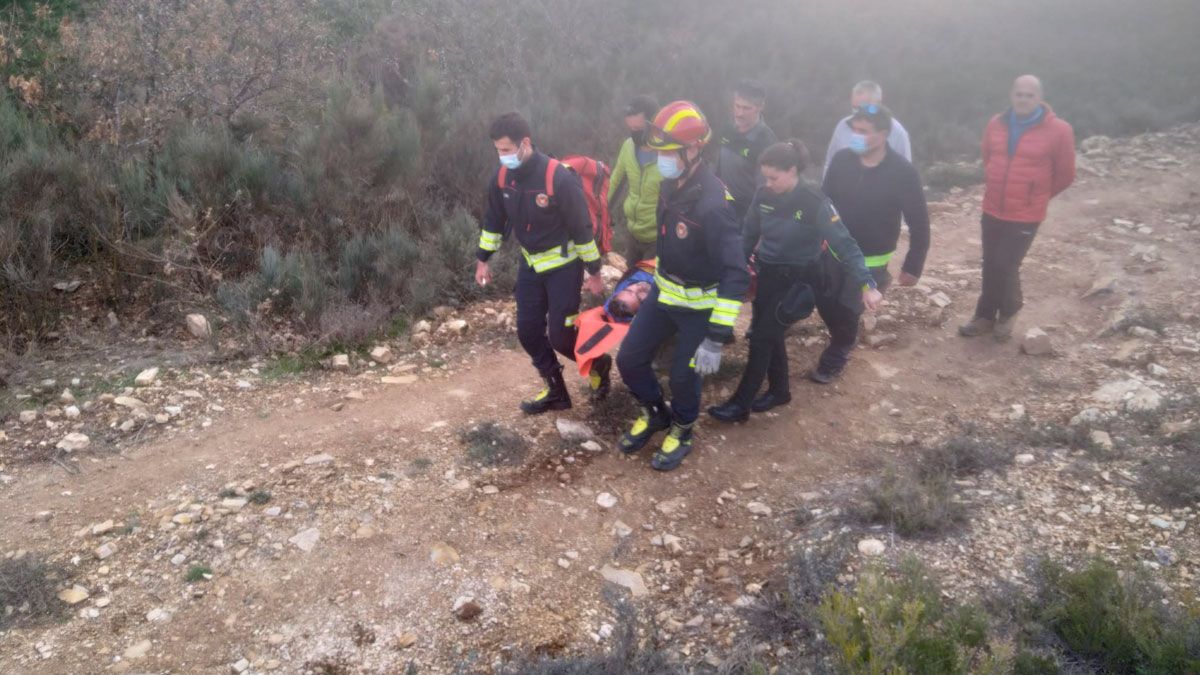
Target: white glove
x=708, y=357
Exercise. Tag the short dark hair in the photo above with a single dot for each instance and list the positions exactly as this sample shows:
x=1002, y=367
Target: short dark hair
x=789, y=154
x=751, y=90
x=510, y=125
x=881, y=119
x=642, y=104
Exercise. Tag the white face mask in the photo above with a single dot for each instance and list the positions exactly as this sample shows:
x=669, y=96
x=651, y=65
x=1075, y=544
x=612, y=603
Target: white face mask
x=513, y=161
x=668, y=166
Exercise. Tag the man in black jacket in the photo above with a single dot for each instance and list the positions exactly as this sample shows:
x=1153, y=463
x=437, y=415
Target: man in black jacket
x=873, y=187
x=541, y=202
x=749, y=135
x=700, y=281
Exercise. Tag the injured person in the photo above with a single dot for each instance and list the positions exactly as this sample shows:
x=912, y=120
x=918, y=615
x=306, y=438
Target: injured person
x=602, y=328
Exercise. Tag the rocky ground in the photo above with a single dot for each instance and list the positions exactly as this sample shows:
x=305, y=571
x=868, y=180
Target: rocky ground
x=213, y=514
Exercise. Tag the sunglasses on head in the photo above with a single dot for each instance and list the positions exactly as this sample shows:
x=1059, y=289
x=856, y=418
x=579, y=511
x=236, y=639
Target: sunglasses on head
x=869, y=108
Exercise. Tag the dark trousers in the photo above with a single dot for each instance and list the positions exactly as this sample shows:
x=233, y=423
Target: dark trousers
x=1005, y=244
x=768, y=350
x=548, y=296
x=637, y=251
x=882, y=277
x=842, y=322
x=651, y=328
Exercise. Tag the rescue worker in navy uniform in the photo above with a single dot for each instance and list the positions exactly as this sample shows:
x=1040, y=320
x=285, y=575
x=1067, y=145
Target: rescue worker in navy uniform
x=700, y=280
x=749, y=135
x=542, y=203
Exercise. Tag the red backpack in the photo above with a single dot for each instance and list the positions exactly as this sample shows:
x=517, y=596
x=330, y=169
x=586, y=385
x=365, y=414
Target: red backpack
x=593, y=175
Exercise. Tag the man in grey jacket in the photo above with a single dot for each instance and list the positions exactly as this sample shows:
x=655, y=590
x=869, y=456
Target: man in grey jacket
x=865, y=93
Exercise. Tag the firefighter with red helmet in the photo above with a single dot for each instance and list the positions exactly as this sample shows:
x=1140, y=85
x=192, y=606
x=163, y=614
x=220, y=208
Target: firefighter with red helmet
x=700, y=281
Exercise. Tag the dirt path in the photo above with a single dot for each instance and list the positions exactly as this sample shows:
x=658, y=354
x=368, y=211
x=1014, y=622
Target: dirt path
x=529, y=544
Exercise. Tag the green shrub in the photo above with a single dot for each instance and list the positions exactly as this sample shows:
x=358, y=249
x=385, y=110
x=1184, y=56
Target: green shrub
x=914, y=505
x=198, y=573
x=1118, y=625
x=28, y=591
x=902, y=624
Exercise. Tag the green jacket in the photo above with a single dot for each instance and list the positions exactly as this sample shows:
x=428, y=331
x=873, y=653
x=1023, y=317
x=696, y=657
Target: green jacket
x=641, y=202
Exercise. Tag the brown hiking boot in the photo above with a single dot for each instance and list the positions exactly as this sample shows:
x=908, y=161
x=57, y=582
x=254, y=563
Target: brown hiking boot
x=976, y=327
x=1003, y=329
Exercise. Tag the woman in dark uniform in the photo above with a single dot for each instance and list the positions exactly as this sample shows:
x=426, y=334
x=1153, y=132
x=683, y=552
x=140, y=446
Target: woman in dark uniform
x=800, y=247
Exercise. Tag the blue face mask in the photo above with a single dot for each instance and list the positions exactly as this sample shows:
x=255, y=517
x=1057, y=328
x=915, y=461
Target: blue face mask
x=858, y=144
x=668, y=166
x=511, y=162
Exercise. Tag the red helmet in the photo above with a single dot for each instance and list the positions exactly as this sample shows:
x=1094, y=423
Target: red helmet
x=679, y=125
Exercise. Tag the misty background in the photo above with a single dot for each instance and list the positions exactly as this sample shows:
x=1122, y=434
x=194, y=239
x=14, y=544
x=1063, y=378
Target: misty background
x=317, y=167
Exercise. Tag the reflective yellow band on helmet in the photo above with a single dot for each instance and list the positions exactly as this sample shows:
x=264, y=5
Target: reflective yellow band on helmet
x=879, y=260
x=569, y=322
x=677, y=117
x=489, y=241
x=588, y=251
x=551, y=259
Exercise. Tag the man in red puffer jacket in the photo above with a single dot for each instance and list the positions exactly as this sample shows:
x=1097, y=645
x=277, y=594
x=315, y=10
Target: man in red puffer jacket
x=1028, y=158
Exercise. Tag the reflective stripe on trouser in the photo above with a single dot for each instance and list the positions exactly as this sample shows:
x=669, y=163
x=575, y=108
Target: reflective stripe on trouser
x=880, y=260
x=544, y=302
x=553, y=258
x=653, y=325
x=489, y=241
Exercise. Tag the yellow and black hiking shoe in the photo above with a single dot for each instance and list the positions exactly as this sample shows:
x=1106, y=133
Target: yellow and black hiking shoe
x=676, y=446
x=600, y=379
x=553, y=397
x=654, y=418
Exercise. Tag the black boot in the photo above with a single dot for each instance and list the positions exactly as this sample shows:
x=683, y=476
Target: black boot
x=600, y=377
x=553, y=397
x=654, y=418
x=676, y=446
x=730, y=411
x=768, y=401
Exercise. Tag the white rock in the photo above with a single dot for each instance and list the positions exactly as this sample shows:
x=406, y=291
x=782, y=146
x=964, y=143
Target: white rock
x=1144, y=399
x=1036, y=342
x=422, y=326
x=466, y=608
x=1024, y=459
x=1087, y=416
x=442, y=553
x=871, y=547
x=758, y=508
x=234, y=504
x=306, y=540
x=606, y=500
x=197, y=325
x=626, y=578
x=66, y=397
x=137, y=650
x=146, y=377
x=129, y=402
x=591, y=446
x=103, y=528
x=105, y=551
x=939, y=300
x=398, y=379
x=240, y=666
x=71, y=412
x=573, y=431
x=158, y=615
x=178, y=559
x=323, y=458
x=621, y=529
x=1101, y=439
x=339, y=362
x=1157, y=370
x=73, y=441
x=27, y=416
x=73, y=595
x=382, y=354
x=454, y=327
